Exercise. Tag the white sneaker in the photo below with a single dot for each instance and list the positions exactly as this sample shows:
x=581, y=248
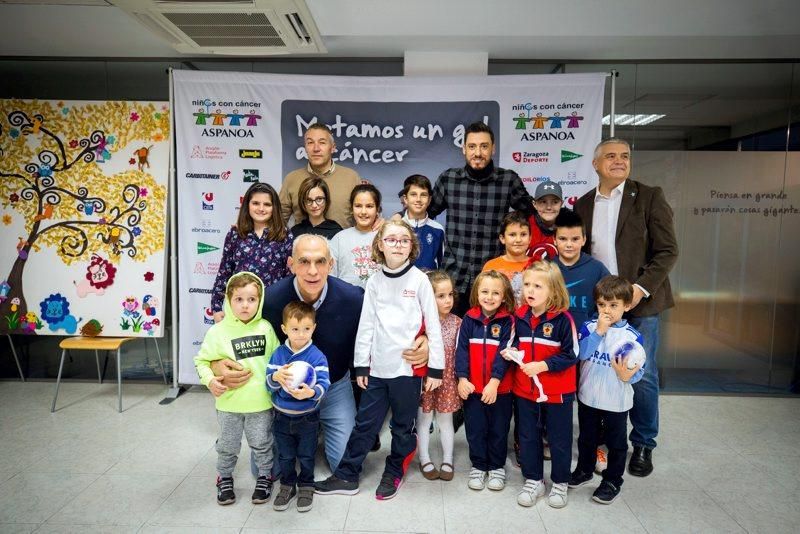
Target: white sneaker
x=558, y=496
x=477, y=479
x=532, y=490
x=497, y=479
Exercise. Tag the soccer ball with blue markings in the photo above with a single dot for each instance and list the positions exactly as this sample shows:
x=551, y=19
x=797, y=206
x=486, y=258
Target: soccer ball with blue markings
x=632, y=350
x=302, y=373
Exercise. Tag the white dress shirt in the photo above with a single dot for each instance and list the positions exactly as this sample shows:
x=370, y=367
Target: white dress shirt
x=604, y=227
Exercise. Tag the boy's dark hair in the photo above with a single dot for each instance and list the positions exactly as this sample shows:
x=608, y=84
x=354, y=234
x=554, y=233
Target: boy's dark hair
x=299, y=310
x=241, y=280
x=570, y=219
x=613, y=287
x=514, y=217
x=366, y=188
x=417, y=180
x=478, y=127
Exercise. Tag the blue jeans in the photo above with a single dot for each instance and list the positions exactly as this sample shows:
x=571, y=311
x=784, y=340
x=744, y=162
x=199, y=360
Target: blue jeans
x=644, y=414
x=337, y=416
x=296, y=437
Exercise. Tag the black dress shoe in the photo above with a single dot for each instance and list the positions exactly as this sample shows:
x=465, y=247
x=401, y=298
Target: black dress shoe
x=641, y=463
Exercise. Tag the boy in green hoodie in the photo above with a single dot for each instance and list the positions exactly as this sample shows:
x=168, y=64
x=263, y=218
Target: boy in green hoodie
x=244, y=336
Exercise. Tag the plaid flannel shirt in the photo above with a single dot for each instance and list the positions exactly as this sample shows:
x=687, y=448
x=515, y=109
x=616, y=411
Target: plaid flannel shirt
x=475, y=210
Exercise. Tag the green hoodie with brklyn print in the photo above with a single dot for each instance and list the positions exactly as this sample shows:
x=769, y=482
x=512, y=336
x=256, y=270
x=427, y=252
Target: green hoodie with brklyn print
x=251, y=345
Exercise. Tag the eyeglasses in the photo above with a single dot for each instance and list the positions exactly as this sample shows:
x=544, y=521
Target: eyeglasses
x=319, y=201
x=393, y=242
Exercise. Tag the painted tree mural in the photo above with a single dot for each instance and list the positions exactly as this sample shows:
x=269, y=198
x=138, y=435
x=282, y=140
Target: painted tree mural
x=52, y=175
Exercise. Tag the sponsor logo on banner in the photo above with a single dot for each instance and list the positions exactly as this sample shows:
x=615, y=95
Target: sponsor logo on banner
x=208, y=175
x=202, y=290
x=208, y=316
x=227, y=118
x=206, y=227
x=531, y=157
x=202, y=248
x=250, y=175
x=250, y=153
x=208, y=201
x=534, y=179
x=207, y=152
x=547, y=122
x=210, y=268
x=566, y=155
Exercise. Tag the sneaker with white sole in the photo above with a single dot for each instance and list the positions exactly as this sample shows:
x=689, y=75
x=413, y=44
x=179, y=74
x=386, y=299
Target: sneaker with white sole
x=497, y=479
x=477, y=479
x=558, y=496
x=532, y=490
x=602, y=461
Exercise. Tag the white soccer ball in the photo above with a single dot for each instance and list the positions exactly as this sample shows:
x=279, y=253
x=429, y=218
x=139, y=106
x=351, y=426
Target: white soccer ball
x=633, y=350
x=301, y=373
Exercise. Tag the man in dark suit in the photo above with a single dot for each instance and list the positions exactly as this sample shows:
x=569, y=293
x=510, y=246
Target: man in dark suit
x=629, y=228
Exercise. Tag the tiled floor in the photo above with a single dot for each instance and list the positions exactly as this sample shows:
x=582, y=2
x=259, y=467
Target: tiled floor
x=723, y=464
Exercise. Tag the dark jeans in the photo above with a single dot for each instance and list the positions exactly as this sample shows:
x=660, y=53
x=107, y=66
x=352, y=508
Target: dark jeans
x=486, y=426
x=614, y=427
x=296, y=437
x=401, y=394
x=644, y=414
x=534, y=417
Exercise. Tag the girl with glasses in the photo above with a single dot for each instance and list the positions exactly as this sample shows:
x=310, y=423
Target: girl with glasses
x=314, y=202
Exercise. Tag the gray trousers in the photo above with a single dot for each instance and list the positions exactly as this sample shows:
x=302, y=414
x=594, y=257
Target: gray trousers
x=257, y=428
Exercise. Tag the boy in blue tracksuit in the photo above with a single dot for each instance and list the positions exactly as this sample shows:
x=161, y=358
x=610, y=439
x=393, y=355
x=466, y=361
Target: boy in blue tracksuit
x=296, y=410
x=581, y=272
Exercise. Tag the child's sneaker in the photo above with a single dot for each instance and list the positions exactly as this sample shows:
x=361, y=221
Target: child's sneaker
x=388, y=487
x=497, y=479
x=477, y=479
x=305, y=498
x=225, y=494
x=602, y=461
x=335, y=486
x=263, y=490
x=558, y=496
x=606, y=493
x=578, y=478
x=285, y=495
x=532, y=490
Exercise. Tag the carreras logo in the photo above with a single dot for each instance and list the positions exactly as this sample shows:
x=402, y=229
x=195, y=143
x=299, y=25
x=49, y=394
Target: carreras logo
x=202, y=248
x=208, y=201
x=227, y=119
x=251, y=153
x=566, y=155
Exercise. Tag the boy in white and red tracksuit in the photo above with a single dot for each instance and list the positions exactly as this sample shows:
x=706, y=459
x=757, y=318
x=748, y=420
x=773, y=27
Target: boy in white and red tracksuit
x=550, y=337
x=480, y=340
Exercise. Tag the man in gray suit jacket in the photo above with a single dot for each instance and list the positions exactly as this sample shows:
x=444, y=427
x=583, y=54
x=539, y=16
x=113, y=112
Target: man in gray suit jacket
x=629, y=228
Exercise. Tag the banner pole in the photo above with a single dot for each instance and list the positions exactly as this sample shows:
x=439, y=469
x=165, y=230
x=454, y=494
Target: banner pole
x=175, y=390
x=613, y=116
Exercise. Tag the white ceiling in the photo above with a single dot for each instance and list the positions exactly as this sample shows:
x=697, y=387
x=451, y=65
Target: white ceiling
x=506, y=29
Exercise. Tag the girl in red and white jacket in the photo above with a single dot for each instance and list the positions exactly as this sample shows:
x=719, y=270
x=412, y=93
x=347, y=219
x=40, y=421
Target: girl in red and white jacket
x=544, y=382
x=484, y=379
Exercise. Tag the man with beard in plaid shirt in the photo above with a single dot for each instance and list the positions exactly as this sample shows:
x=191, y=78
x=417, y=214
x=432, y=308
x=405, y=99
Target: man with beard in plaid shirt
x=476, y=198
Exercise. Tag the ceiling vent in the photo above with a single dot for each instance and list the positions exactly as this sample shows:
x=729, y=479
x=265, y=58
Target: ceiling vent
x=233, y=27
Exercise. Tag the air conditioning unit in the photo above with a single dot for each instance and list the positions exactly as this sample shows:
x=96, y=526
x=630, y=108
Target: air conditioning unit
x=233, y=27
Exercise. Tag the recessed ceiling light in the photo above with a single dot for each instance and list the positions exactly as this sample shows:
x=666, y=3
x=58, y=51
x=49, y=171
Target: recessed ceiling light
x=635, y=120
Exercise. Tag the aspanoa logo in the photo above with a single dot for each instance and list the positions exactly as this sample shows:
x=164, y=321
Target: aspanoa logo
x=546, y=121
x=227, y=119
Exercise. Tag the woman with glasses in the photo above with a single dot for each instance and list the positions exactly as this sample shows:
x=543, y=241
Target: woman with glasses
x=314, y=201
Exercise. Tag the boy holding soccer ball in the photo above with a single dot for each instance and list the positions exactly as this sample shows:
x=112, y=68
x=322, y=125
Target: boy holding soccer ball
x=612, y=359
x=298, y=377
x=243, y=336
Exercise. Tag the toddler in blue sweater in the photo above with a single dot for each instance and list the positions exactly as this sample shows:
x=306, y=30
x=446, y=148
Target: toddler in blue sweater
x=296, y=408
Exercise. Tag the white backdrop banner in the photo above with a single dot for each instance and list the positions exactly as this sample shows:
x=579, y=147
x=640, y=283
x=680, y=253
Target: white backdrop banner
x=237, y=128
